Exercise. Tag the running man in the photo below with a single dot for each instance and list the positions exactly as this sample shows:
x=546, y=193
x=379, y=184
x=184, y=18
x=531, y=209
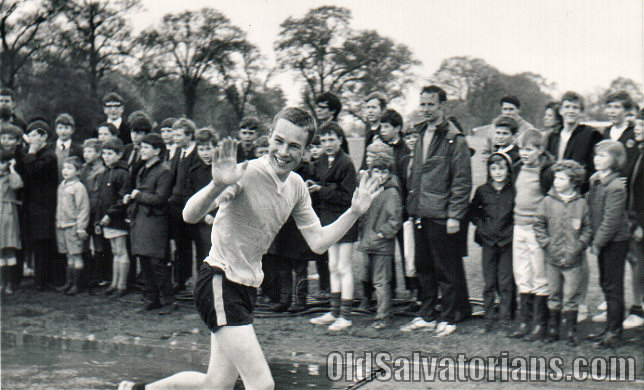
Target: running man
x=242, y=231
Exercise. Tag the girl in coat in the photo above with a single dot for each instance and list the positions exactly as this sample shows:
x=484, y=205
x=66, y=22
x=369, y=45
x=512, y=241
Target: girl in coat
x=10, y=181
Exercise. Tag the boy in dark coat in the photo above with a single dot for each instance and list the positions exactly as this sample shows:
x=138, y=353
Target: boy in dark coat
x=491, y=211
x=149, y=227
x=39, y=203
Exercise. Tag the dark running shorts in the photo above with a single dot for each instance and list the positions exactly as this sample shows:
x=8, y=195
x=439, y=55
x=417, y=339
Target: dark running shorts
x=221, y=302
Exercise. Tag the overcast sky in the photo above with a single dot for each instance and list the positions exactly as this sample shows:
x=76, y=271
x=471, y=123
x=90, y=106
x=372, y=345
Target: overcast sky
x=579, y=44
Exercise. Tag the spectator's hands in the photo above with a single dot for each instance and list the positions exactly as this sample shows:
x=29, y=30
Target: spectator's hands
x=312, y=186
x=208, y=219
x=127, y=198
x=224, y=163
x=105, y=220
x=364, y=194
x=453, y=225
x=638, y=234
x=135, y=193
x=12, y=165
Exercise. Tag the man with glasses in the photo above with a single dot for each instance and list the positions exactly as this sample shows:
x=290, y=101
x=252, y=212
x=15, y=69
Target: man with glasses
x=113, y=107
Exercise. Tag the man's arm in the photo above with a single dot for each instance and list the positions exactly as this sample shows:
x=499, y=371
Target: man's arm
x=320, y=238
x=225, y=172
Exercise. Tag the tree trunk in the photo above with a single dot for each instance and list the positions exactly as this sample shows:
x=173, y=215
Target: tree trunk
x=190, y=96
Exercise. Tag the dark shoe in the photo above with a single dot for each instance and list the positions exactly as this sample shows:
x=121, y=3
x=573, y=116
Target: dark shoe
x=522, y=331
x=179, y=287
x=364, y=306
x=570, y=321
x=323, y=296
x=382, y=324
x=596, y=336
x=72, y=291
x=121, y=292
x=153, y=306
x=297, y=308
x=110, y=290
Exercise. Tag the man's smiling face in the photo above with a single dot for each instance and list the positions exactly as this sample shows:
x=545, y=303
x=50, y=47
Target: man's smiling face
x=286, y=146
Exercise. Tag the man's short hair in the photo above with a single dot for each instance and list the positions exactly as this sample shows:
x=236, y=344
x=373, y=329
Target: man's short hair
x=531, y=137
x=93, y=143
x=112, y=97
x=392, y=117
x=615, y=150
x=186, y=125
x=75, y=161
x=65, y=119
x=507, y=121
x=206, y=136
x=381, y=97
x=512, y=100
x=115, y=144
x=331, y=128
x=154, y=140
x=409, y=128
x=573, y=97
x=7, y=92
x=573, y=170
x=167, y=123
x=620, y=96
x=430, y=89
x=110, y=127
x=315, y=140
x=299, y=118
x=250, y=123
x=12, y=130
x=334, y=103
x=139, y=122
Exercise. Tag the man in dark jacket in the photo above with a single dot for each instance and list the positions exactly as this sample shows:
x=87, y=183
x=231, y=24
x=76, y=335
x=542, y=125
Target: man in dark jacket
x=617, y=105
x=375, y=105
x=7, y=110
x=439, y=193
x=113, y=107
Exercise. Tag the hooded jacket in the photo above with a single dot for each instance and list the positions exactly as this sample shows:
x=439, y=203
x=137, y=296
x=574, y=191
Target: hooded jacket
x=607, y=200
x=491, y=210
x=380, y=224
x=563, y=229
x=114, y=183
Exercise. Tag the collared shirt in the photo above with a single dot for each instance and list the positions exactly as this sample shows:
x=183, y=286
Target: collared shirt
x=117, y=122
x=171, y=150
x=63, y=145
x=246, y=225
x=564, y=136
x=186, y=152
x=616, y=132
x=428, y=136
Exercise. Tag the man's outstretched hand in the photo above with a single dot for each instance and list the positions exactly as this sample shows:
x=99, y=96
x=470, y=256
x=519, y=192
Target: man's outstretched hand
x=225, y=170
x=365, y=193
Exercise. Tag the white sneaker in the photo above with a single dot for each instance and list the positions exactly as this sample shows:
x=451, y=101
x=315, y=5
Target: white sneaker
x=419, y=323
x=582, y=314
x=340, y=324
x=126, y=385
x=601, y=317
x=441, y=326
x=324, y=319
x=445, y=329
x=602, y=306
x=633, y=321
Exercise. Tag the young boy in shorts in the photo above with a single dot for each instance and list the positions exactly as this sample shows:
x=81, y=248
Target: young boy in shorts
x=226, y=290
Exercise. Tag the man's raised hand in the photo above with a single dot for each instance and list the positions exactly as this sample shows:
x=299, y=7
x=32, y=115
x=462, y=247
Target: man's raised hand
x=224, y=163
x=363, y=195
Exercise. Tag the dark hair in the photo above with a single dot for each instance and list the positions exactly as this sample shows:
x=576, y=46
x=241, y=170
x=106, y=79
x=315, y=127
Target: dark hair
x=12, y=130
x=110, y=127
x=382, y=99
x=622, y=97
x=39, y=125
x=206, y=136
x=112, y=97
x=392, y=117
x=430, y=89
x=382, y=155
x=75, y=161
x=335, y=106
x=299, y=118
x=186, y=125
x=640, y=114
x=155, y=141
x=167, y=123
x=5, y=155
x=409, y=128
x=315, y=140
x=512, y=100
x=507, y=121
x=93, y=143
x=65, y=119
x=555, y=106
x=331, y=128
x=250, y=123
x=573, y=169
x=7, y=92
x=573, y=97
x=114, y=143
x=139, y=122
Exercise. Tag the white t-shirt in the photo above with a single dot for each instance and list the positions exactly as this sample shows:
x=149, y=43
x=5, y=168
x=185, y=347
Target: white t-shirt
x=564, y=137
x=616, y=132
x=246, y=225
